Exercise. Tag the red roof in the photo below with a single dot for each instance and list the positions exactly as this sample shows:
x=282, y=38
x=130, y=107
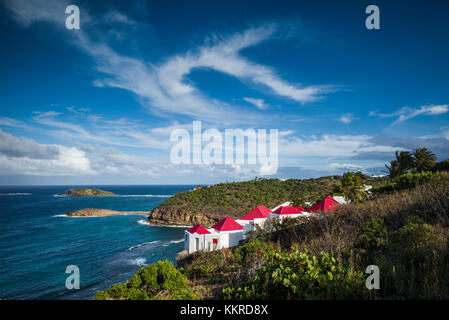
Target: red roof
x=300, y=208
x=287, y=210
x=257, y=213
x=227, y=224
x=326, y=205
x=198, y=229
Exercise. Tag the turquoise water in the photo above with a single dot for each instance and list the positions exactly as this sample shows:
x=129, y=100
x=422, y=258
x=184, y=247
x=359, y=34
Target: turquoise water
x=37, y=242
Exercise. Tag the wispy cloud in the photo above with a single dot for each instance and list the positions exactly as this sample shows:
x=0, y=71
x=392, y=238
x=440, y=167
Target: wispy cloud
x=347, y=118
x=259, y=103
x=407, y=113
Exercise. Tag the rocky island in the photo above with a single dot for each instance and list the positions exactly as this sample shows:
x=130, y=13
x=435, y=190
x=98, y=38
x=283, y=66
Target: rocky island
x=92, y=212
x=87, y=192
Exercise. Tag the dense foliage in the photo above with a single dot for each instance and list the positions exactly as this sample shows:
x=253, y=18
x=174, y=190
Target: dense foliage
x=409, y=181
x=237, y=198
x=299, y=275
x=156, y=281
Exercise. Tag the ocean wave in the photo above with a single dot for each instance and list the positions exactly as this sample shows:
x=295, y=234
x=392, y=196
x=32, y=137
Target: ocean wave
x=143, y=222
x=141, y=244
x=147, y=223
x=16, y=194
x=66, y=216
x=139, y=261
x=172, y=242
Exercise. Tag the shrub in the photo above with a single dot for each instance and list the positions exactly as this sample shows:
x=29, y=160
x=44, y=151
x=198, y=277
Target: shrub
x=371, y=234
x=149, y=282
x=416, y=241
x=251, y=251
x=299, y=275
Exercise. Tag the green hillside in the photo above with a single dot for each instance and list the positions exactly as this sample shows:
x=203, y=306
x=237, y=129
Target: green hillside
x=237, y=198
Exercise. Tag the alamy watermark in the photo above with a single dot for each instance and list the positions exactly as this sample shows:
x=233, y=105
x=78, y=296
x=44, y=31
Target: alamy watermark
x=226, y=148
x=373, y=280
x=73, y=280
x=73, y=20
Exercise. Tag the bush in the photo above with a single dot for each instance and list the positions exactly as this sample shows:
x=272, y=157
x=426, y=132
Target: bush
x=251, y=251
x=371, y=234
x=409, y=181
x=416, y=241
x=149, y=282
x=299, y=275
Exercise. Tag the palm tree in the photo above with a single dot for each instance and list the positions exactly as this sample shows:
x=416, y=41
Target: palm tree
x=424, y=159
x=393, y=169
x=353, y=186
x=404, y=162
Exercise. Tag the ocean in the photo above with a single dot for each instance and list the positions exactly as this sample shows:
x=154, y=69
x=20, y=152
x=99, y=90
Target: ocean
x=37, y=242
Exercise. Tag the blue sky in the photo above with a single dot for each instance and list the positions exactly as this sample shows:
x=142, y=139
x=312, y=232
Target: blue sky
x=97, y=105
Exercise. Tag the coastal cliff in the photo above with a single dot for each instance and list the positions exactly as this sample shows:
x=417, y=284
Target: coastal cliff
x=179, y=215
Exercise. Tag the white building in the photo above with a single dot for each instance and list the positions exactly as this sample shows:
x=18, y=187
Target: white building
x=199, y=238
x=226, y=233
x=255, y=217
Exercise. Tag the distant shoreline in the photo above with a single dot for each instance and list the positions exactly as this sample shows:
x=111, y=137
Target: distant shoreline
x=92, y=212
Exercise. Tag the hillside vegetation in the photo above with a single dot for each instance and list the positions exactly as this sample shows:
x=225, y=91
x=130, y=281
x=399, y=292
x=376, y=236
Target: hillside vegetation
x=210, y=204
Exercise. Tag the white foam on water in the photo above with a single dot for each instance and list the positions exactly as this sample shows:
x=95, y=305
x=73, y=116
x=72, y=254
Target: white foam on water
x=16, y=194
x=142, y=244
x=66, y=216
x=139, y=261
x=143, y=222
x=172, y=242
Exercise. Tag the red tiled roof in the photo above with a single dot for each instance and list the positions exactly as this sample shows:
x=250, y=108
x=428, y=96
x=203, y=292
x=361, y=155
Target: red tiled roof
x=198, y=229
x=227, y=224
x=257, y=213
x=300, y=208
x=326, y=205
x=287, y=210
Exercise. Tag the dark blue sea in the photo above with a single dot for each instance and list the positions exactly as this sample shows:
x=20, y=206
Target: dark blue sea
x=37, y=242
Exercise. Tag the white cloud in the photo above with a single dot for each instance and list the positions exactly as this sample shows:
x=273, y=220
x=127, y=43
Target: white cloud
x=9, y=122
x=259, y=103
x=407, y=113
x=347, y=118
x=26, y=156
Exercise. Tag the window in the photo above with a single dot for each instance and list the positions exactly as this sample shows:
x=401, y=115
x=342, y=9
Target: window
x=215, y=241
x=197, y=244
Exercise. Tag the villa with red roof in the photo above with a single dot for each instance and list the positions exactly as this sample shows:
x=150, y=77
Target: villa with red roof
x=284, y=212
x=255, y=217
x=326, y=205
x=229, y=232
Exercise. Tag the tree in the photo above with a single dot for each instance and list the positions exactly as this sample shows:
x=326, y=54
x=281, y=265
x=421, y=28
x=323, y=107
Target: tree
x=404, y=162
x=353, y=185
x=424, y=159
x=442, y=165
x=393, y=169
